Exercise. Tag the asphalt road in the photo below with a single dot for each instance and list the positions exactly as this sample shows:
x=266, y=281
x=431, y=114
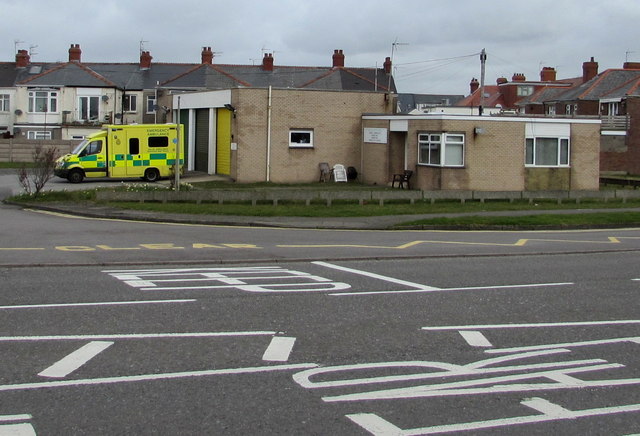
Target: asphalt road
x=119, y=327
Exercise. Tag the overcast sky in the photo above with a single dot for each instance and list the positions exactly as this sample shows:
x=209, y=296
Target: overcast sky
x=438, y=41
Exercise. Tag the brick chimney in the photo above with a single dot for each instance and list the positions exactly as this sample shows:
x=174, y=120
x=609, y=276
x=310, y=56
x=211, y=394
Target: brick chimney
x=207, y=55
x=145, y=60
x=474, y=85
x=75, y=53
x=387, y=65
x=267, y=62
x=631, y=66
x=518, y=77
x=501, y=80
x=589, y=70
x=22, y=59
x=338, y=59
x=548, y=74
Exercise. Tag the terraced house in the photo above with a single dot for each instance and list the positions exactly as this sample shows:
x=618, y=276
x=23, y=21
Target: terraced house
x=227, y=110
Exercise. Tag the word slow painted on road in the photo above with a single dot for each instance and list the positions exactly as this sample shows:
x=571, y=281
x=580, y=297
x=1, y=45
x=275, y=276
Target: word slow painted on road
x=516, y=370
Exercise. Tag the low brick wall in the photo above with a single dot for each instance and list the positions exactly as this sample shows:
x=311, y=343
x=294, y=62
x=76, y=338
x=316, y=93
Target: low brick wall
x=274, y=196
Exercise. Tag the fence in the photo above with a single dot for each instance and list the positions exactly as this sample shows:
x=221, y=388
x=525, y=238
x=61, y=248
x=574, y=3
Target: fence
x=13, y=150
x=275, y=196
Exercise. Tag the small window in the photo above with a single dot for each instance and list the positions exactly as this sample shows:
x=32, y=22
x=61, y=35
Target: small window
x=5, y=102
x=39, y=135
x=301, y=138
x=158, y=141
x=134, y=146
x=130, y=103
x=151, y=104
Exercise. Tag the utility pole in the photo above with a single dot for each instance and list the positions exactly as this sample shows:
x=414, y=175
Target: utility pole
x=483, y=61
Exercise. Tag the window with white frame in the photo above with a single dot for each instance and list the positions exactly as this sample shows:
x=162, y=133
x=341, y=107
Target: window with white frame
x=301, y=138
x=551, y=109
x=39, y=134
x=88, y=108
x=5, y=101
x=547, y=152
x=43, y=101
x=151, y=104
x=524, y=91
x=130, y=103
x=441, y=149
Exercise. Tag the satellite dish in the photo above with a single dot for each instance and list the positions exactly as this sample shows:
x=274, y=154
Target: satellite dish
x=18, y=112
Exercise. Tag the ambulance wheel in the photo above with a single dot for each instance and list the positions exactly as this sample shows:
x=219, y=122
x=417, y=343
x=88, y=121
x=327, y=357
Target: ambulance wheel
x=75, y=176
x=151, y=175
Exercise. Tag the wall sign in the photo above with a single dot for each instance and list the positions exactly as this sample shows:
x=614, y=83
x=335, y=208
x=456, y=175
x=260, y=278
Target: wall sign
x=375, y=135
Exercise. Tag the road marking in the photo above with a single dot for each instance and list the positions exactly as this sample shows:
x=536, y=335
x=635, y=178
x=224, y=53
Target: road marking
x=21, y=249
x=635, y=339
x=10, y=418
x=532, y=325
x=23, y=429
x=470, y=288
x=104, y=303
x=377, y=276
x=133, y=336
x=75, y=360
x=475, y=338
x=381, y=427
x=279, y=349
x=248, y=279
x=445, y=370
x=153, y=377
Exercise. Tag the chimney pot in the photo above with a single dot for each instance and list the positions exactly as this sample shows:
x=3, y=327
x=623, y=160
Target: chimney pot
x=338, y=59
x=22, y=59
x=207, y=55
x=267, y=62
x=75, y=53
x=518, y=77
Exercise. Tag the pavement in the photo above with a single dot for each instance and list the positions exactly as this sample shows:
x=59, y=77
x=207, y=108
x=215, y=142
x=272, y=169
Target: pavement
x=386, y=222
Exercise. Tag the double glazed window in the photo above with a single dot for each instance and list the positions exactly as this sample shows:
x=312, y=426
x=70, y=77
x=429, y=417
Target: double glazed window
x=441, y=149
x=4, y=102
x=547, y=152
x=130, y=103
x=43, y=101
x=88, y=108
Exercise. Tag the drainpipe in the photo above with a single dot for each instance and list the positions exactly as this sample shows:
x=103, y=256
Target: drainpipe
x=269, y=136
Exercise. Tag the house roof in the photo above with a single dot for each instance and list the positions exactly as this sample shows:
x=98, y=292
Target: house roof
x=202, y=76
x=612, y=83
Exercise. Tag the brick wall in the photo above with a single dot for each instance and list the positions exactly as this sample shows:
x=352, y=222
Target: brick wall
x=495, y=157
x=334, y=118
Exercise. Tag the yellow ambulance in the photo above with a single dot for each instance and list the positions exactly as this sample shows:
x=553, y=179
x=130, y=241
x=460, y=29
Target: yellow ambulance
x=147, y=151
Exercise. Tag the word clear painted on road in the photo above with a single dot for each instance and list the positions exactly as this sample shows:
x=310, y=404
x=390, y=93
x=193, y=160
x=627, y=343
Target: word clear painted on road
x=248, y=279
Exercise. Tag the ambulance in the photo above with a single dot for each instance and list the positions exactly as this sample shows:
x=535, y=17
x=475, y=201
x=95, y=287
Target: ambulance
x=147, y=151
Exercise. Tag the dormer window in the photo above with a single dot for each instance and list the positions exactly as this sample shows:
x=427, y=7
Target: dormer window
x=524, y=91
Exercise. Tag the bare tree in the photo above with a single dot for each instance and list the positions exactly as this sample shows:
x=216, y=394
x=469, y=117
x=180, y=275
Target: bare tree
x=33, y=179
